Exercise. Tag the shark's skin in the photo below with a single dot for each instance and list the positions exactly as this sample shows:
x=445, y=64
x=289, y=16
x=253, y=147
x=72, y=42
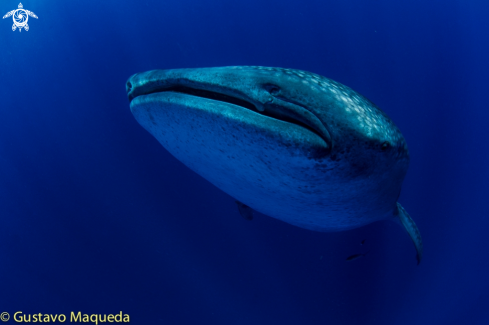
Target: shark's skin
x=290, y=144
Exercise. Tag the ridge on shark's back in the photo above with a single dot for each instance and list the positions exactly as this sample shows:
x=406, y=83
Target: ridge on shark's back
x=290, y=144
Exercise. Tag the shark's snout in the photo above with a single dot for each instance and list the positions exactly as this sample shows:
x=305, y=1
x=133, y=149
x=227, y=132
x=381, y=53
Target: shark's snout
x=135, y=86
x=128, y=87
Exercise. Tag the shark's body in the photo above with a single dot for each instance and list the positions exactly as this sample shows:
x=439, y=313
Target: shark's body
x=288, y=143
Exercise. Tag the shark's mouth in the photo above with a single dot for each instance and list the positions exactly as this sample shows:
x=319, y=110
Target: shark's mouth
x=310, y=123
x=209, y=95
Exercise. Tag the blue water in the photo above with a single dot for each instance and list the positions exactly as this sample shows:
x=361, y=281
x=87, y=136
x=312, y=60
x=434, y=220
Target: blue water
x=95, y=215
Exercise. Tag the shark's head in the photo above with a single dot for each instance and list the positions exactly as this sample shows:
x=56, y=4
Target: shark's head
x=353, y=128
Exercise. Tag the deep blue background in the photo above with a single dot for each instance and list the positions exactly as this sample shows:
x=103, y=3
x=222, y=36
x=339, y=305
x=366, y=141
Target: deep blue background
x=97, y=217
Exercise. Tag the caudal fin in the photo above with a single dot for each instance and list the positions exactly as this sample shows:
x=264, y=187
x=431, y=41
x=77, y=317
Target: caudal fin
x=412, y=230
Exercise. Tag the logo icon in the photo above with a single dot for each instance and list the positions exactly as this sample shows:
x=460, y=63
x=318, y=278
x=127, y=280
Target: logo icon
x=20, y=17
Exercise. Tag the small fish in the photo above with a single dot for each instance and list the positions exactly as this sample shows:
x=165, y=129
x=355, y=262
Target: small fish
x=363, y=242
x=356, y=256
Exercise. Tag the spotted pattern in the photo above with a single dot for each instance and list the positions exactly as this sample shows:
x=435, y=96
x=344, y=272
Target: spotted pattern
x=369, y=117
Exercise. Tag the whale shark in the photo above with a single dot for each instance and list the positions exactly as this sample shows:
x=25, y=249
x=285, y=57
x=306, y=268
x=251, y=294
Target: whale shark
x=290, y=144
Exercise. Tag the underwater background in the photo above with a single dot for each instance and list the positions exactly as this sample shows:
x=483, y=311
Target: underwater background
x=97, y=217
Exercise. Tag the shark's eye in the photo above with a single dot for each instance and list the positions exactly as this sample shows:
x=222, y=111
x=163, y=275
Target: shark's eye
x=386, y=145
x=272, y=89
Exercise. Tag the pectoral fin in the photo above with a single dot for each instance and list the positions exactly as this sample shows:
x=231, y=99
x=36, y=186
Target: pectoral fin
x=411, y=229
x=245, y=211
